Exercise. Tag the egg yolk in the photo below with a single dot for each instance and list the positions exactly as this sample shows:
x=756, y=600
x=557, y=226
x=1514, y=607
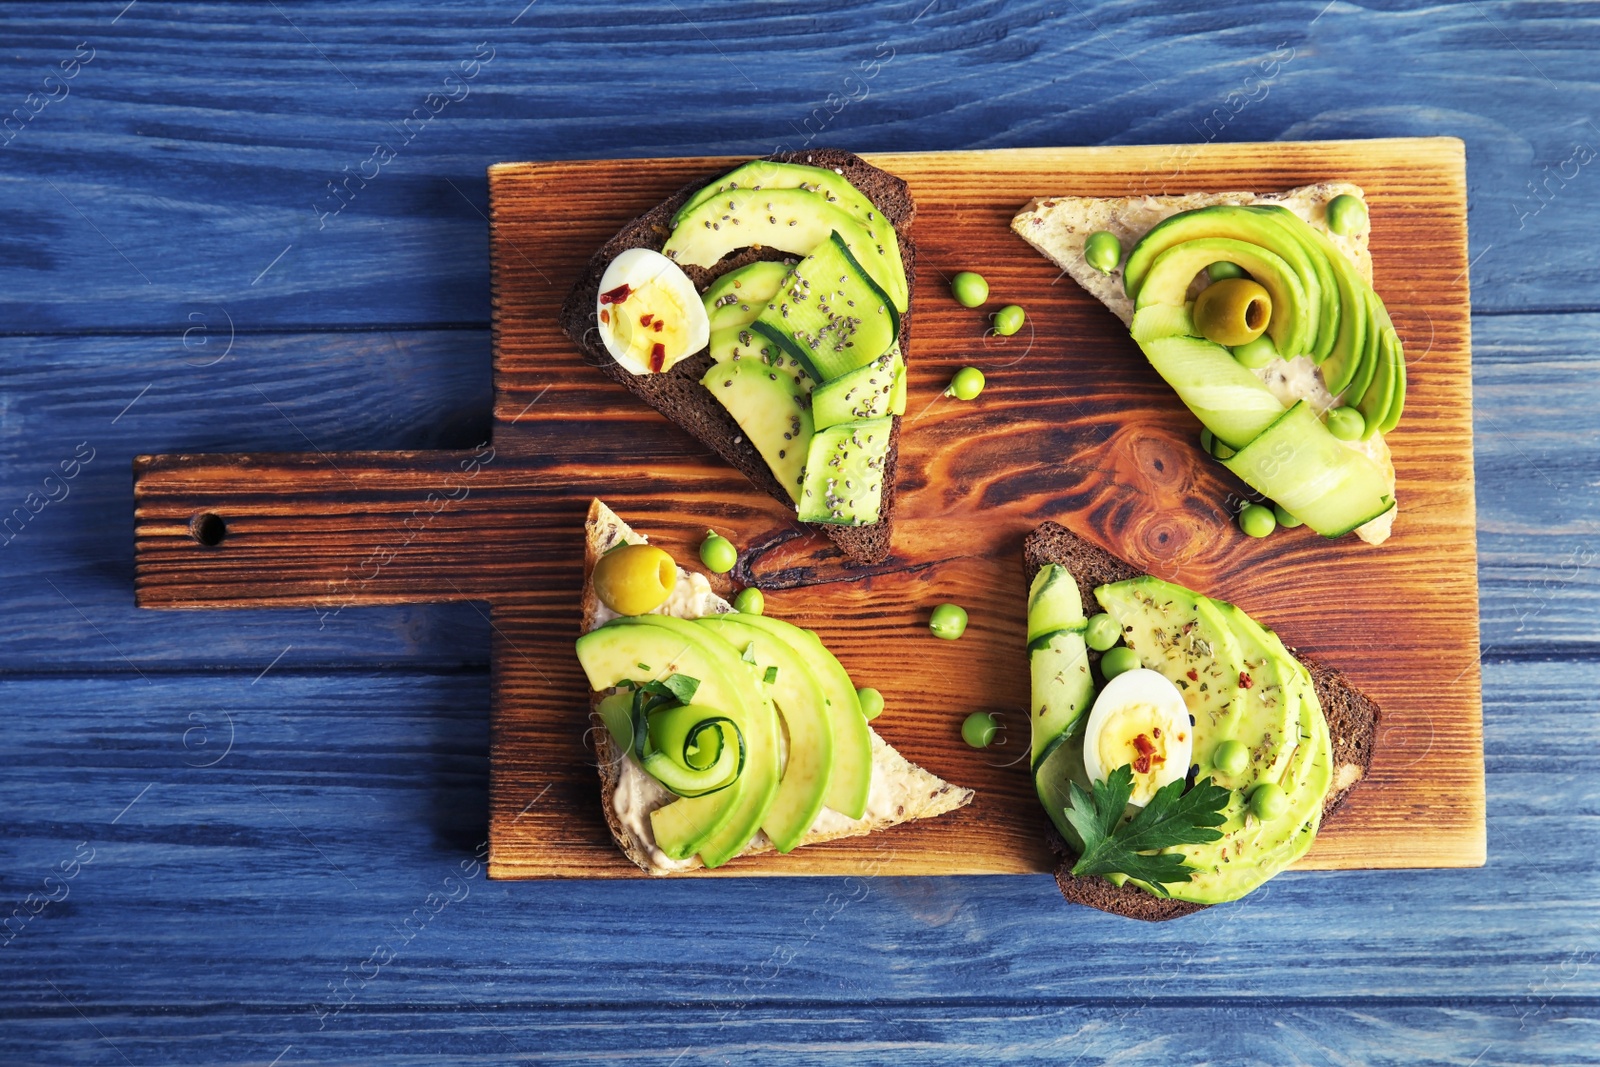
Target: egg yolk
x=1137, y=735
x=649, y=322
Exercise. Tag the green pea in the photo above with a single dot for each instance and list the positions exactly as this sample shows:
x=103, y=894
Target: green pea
x=969, y=289
x=1286, y=520
x=966, y=385
x=1256, y=354
x=1119, y=660
x=1257, y=520
x=718, y=553
x=1008, y=320
x=1268, y=801
x=1231, y=758
x=1223, y=269
x=871, y=702
x=978, y=729
x=1102, y=251
x=751, y=601
x=1347, y=424
x=1346, y=214
x=1102, y=632
x=948, y=621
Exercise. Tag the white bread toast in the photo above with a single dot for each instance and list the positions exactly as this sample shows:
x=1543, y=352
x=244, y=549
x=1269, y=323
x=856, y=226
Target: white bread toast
x=901, y=791
x=1058, y=226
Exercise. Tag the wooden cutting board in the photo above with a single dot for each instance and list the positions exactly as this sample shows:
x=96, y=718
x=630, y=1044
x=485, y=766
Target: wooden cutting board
x=1073, y=426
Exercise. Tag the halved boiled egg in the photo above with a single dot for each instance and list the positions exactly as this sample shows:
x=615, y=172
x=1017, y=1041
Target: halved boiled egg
x=1139, y=719
x=650, y=314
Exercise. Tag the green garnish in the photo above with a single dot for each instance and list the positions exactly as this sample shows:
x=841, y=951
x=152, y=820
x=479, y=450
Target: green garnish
x=771, y=675
x=1173, y=817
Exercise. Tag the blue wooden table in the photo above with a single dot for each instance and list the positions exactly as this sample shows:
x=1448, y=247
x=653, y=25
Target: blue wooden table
x=255, y=838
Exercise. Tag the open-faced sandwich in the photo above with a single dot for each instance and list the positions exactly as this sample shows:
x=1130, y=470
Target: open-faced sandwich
x=1259, y=311
x=725, y=733
x=1182, y=751
x=767, y=312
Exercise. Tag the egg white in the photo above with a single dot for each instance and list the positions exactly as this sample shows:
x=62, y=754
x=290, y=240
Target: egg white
x=657, y=286
x=1119, y=697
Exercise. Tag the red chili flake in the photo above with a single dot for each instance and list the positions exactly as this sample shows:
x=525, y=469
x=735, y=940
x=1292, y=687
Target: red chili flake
x=605, y=316
x=1157, y=732
x=1142, y=765
x=658, y=356
x=1144, y=746
x=656, y=326
x=644, y=320
x=1244, y=680
x=617, y=295
x=1194, y=675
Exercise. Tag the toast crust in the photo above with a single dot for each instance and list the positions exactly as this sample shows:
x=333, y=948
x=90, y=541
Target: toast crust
x=915, y=794
x=677, y=393
x=1352, y=724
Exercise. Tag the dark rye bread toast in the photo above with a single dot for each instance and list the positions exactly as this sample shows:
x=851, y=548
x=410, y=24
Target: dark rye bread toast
x=678, y=394
x=1352, y=723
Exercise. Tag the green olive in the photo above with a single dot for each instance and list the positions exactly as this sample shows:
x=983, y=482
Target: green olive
x=1346, y=214
x=948, y=621
x=1223, y=269
x=1102, y=632
x=751, y=601
x=1231, y=758
x=1347, y=424
x=718, y=553
x=1286, y=520
x=966, y=385
x=871, y=702
x=969, y=289
x=1268, y=801
x=978, y=729
x=1008, y=320
x=1257, y=520
x=635, y=579
x=1102, y=251
x=1256, y=354
x=1119, y=660
x=1233, y=311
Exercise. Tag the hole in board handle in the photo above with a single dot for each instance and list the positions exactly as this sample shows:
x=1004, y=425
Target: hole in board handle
x=208, y=528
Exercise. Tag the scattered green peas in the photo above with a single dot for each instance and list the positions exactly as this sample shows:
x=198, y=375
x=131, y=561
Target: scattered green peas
x=1231, y=758
x=1256, y=354
x=966, y=385
x=1346, y=214
x=1268, y=801
x=1257, y=520
x=1008, y=320
x=948, y=621
x=1223, y=269
x=750, y=600
x=978, y=729
x=969, y=289
x=1102, y=251
x=1346, y=424
x=871, y=702
x=718, y=553
x=1119, y=660
x=1102, y=632
x=1286, y=520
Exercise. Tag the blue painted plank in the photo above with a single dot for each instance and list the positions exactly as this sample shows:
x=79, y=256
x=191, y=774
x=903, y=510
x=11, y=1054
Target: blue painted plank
x=346, y=812
x=490, y=1030
x=167, y=177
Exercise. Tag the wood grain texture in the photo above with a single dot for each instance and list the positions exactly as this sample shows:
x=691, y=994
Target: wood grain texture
x=1073, y=427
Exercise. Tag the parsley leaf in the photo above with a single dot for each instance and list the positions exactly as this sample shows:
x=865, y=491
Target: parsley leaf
x=1173, y=817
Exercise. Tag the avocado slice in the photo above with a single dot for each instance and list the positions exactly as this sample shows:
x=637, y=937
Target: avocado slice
x=864, y=393
x=830, y=315
x=1371, y=351
x=1340, y=368
x=851, y=779
x=1294, y=318
x=789, y=220
x=1226, y=397
x=769, y=404
x=759, y=174
x=1300, y=465
x=736, y=298
x=652, y=647
x=843, y=481
x=809, y=763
